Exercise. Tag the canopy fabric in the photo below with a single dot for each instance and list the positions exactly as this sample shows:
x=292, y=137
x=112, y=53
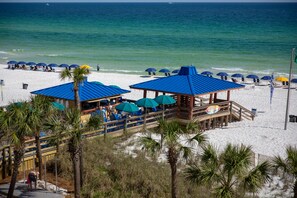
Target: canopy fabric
x=164, y=100
x=74, y=66
x=21, y=63
x=253, y=76
x=282, y=79
x=30, y=63
x=237, y=75
x=191, y=84
x=127, y=107
x=222, y=74
x=146, y=102
x=53, y=65
x=97, y=82
x=85, y=66
x=64, y=65
x=41, y=64
x=115, y=86
x=266, y=78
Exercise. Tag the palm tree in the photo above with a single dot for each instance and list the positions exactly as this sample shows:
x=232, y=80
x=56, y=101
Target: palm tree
x=171, y=132
x=41, y=108
x=77, y=76
x=14, y=123
x=228, y=172
x=288, y=165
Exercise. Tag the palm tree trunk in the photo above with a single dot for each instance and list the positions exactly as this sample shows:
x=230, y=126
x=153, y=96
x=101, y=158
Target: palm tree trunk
x=81, y=165
x=295, y=188
x=172, y=158
x=38, y=154
x=18, y=155
x=76, y=97
x=74, y=152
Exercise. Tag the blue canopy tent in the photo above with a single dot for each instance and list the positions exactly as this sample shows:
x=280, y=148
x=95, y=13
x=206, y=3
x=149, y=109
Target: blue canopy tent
x=11, y=64
x=41, y=64
x=237, y=75
x=151, y=70
x=53, y=65
x=223, y=75
x=207, y=73
x=294, y=80
x=266, y=78
x=254, y=77
x=74, y=66
x=64, y=65
x=21, y=63
x=175, y=71
x=165, y=71
x=30, y=63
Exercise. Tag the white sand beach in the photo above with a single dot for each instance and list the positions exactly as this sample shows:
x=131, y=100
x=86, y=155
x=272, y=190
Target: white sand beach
x=265, y=134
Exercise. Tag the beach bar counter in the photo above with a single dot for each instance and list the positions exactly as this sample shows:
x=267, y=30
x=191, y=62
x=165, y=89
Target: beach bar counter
x=197, y=97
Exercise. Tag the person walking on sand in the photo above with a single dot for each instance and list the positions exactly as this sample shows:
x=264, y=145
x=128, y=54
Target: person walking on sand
x=98, y=67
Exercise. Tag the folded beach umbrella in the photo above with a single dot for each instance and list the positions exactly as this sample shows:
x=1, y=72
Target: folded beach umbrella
x=74, y=66
x=85, y=66
x=12, y=62
x=41, y=64
x=222, y=74
x=53, y=65
x=21, y=63
x=30, y=63
x=282, y=79
x=266, y=78
x=294, y=80
x=175, y=71
x=164, y=70
x=237, y=75
x=206, y=73
x=64, y=65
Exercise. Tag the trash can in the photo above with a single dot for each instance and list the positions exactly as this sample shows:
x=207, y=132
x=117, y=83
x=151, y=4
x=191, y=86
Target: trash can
x=254, y=111
x=25, y=86
x=292, y=118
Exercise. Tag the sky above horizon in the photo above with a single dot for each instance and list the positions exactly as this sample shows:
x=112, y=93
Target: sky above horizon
x=140, y=1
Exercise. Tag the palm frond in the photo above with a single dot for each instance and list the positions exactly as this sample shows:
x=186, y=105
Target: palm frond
x=209, y=155
x=198, y=139
x=224, y=192
x=185, y=151
x=292, y=159
x=193, y=174
x=279, y=163
x=150, y=144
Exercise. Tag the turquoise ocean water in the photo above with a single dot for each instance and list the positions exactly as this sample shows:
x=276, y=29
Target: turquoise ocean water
x=130, y=37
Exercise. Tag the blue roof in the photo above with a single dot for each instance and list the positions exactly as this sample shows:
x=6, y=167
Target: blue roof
x=187, y=82
x=87, y=91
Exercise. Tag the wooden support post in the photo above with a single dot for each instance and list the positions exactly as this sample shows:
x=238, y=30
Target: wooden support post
x=156, y=94
x=231, y=116
x=228, y=95
x=210, y=98
x=221, y=121
x=191, y=108
x=3, y=163
x=215, y=97
x=10, y=161
x=240, y=112
x=178, y=106
x=208, y=124
x=204, y=125
x=105, y=132
x=144, y=93
x=226, y=120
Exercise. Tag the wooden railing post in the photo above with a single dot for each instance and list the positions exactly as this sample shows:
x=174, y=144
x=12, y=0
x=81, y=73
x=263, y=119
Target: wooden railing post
x=240, y=112
x=231, y=117
x=3, y=163
x=105, y=132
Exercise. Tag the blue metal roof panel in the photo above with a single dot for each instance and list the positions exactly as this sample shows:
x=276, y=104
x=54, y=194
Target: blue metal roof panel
x=187, y=84
x=87, y=91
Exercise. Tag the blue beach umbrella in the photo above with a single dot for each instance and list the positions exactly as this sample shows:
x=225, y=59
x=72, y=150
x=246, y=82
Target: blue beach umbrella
x=21, y=63
x=64, y=65
x=74, y=66
x=97, y=82
x=41, y=64
x=175, y=71
x=146, y=102
x=53, y=65
x=266, y=78
x=115, y=86
x=294, y=80
x=164, y=70
x=206, y=73
x=151, y=69
x=222, y=74
x=12, y=62
x=237, y=75
x=253, y=76
x=30, y=63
